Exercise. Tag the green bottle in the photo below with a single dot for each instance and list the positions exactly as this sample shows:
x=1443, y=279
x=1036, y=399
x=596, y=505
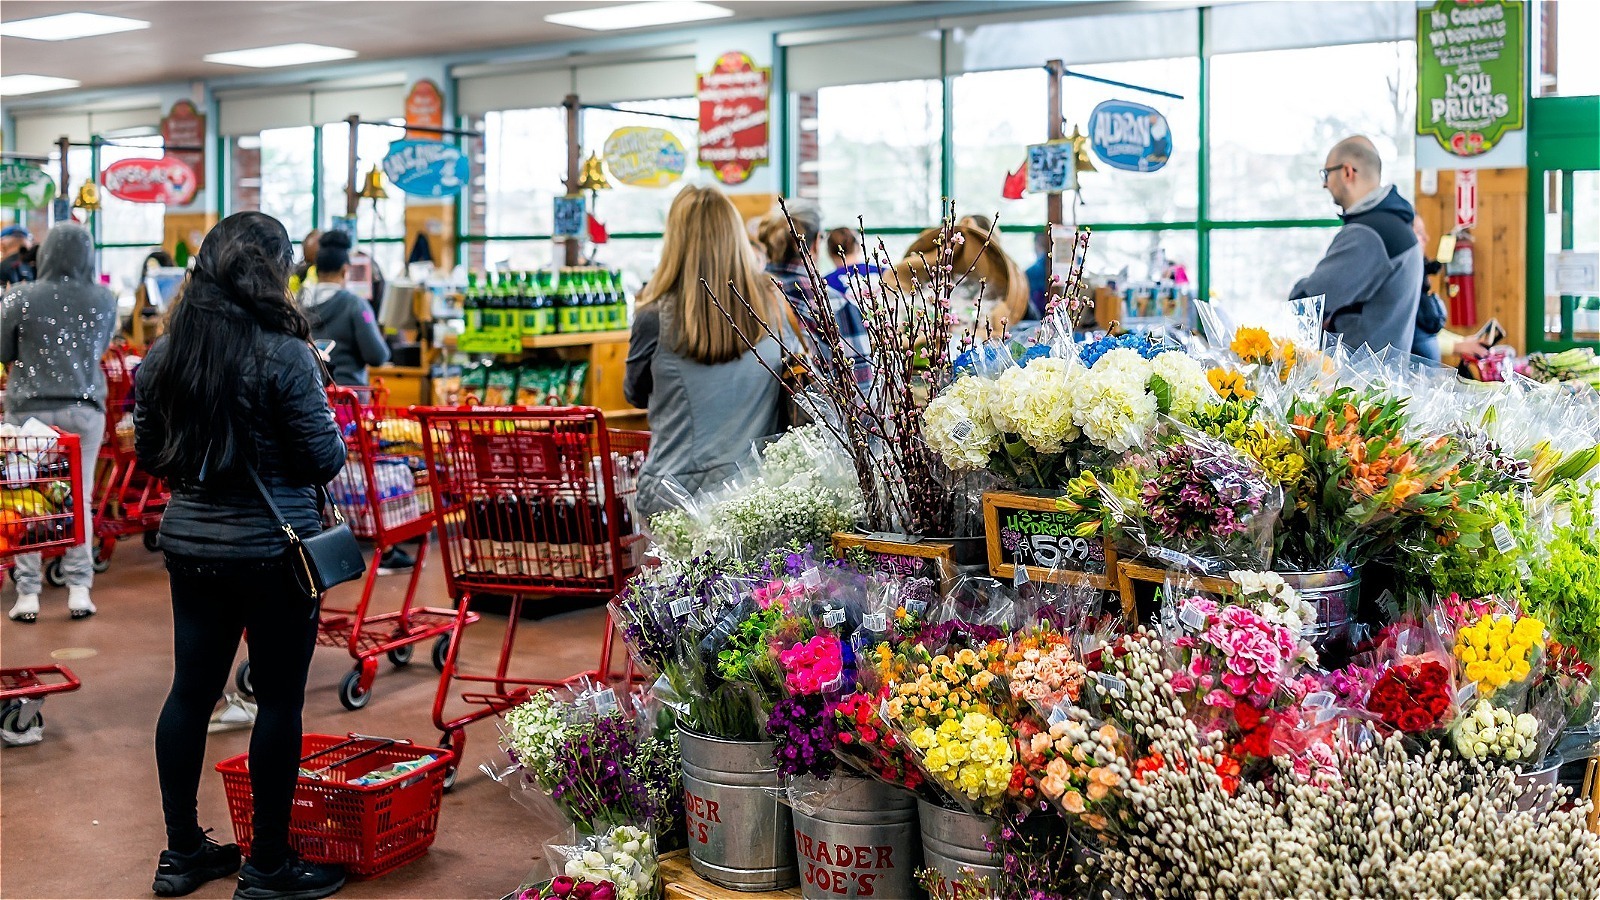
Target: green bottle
x=471, y=309
x=586, y=300
x=547, y=303
x=619, y=300
x=571, y=314
x=527, y=305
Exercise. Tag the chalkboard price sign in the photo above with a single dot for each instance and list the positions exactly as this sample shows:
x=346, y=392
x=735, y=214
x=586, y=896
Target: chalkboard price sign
x=1034, y=532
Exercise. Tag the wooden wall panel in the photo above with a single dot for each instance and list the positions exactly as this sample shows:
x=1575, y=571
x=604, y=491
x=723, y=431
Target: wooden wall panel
x=1500, y=244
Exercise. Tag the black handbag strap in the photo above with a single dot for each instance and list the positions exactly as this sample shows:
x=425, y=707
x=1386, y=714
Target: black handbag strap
x=283, y=521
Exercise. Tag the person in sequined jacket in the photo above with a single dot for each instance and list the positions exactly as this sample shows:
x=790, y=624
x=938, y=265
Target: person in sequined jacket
x=52, y=335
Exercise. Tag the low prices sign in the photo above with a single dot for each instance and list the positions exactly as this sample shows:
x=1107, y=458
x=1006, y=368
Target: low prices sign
x=1471, y=73
x=644, y=157
x=734, y=117
x=166, y=180
x=426, y=168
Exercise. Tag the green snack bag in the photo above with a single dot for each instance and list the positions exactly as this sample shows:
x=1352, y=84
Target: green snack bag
x=573, y=389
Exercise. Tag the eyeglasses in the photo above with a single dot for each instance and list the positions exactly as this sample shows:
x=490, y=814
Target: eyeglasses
x=1325, y=172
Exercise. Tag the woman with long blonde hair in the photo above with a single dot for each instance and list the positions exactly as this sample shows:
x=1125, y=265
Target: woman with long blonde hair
x=690, y=364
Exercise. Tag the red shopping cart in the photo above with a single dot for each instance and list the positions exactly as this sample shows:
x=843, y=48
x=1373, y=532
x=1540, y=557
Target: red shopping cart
x=380, y=497
x=531, y=502
x=40, y=481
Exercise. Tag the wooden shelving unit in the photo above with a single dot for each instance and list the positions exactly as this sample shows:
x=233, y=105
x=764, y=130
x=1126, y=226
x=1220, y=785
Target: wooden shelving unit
x=607, y=355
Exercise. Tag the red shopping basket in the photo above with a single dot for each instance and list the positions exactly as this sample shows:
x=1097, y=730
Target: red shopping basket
x=369, y=829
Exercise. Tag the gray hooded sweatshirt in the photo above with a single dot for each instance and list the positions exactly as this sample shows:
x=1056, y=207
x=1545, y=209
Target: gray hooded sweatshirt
x=54, y=331
x=340, y=316
x=1371, y=274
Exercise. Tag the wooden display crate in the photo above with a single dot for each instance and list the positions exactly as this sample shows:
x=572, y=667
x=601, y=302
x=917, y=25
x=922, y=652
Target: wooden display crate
x=923, y=559
x=683, y=884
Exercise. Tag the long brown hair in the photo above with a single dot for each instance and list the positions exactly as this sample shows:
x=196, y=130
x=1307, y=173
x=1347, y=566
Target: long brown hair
x=705, y=239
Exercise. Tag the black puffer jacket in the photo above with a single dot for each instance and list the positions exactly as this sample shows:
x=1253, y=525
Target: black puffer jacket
x=296, y=447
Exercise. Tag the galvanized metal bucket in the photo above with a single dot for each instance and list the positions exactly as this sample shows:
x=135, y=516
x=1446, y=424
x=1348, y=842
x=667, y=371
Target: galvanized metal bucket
x=1546, y=775
x=740, y=836
x=862, y=842
x=1335, y=593
x=956, y=846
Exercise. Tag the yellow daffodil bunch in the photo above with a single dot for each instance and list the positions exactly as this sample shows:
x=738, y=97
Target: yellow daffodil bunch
x=1499, y=650
x=971, y=757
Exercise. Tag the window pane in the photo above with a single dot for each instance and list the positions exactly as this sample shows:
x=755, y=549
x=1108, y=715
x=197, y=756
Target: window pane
x=1282, y=26
x=515, y=255
x=997, y=114
x=1577, y=66
x=125, y=266
x=628, y=208
x=636, y=257
x=372, y=145
x=1258, y=266
x=872, y=150
x=524, y=159
x=1076, y=40
x=244, y=168
x=286, y=177
x=1142, y=256
x=122, y=222
x=1571, y=316
x=1275, y=114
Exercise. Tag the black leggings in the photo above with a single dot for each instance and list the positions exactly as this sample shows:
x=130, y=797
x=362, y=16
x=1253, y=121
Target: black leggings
x=213, y=602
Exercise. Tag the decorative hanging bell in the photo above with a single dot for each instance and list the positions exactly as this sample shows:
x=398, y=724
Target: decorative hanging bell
x=593, y=177
x=373, y=189
x=88, y=197
x=1080, y=151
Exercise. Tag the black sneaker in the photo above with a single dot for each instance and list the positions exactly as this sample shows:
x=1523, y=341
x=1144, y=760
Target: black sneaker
x=181, y=873
x=395, y=561
x=294, y=880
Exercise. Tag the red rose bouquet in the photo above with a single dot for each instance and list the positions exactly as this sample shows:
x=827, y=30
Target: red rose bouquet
x=1413, y=695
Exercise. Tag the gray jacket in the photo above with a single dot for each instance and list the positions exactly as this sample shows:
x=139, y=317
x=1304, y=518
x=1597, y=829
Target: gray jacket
x=1371, y=274
x=340, y=316
x=703, y=419
x=56, y=329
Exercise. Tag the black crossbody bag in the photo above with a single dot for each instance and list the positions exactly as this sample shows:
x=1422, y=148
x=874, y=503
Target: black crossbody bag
x=330, y=557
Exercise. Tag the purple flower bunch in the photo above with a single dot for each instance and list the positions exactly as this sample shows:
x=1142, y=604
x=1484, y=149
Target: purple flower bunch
x=803, y=736
x=593, y=780
x=1199, y=495
x=956, y=633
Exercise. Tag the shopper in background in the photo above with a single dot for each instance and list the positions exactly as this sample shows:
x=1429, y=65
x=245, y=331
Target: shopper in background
x=231, y=407
x=17, y=256
x=849, y=259
x=339, y=316
x=305, y=272
x=144, y=323
x=786, y=266
x=708, y=394
x=52, y=335
x=345, y=320
x=1372, y=272
x=1431, y=314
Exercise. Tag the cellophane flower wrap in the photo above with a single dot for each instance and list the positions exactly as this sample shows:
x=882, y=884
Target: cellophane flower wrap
x=1200, y=505
x=564, y=887
x=1494, y=645
x=625, y=855
x=1415, y=693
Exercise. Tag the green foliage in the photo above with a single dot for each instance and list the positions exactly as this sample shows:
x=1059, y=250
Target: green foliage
x=1565, y=584
x=1485, y=571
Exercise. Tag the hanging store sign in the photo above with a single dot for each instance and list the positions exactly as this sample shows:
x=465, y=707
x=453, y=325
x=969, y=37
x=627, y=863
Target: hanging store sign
x=1051, y=169
x=166, y=180
x=1471, y=74
x=1130, y=136
x=644, y=157
x=426, y=168
x=569, y=216
x=184, y=126
x=25, y=186
x=734, y=117
x=425, y=109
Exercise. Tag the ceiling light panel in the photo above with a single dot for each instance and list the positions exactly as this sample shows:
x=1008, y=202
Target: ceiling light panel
x=639, y=15
x=69, y=26
x=16, y=85
x=280, y=55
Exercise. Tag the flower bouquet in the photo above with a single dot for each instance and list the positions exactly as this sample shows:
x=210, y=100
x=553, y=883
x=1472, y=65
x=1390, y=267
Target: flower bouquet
x=624, y=855
x=564, y=887
x=1080, y=767
x=1415, y=690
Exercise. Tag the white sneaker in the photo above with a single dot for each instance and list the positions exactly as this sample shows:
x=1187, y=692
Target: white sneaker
x=236, y=713
x=26, y=608
x=78, y=602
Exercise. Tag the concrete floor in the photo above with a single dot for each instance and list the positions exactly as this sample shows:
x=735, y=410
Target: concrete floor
x=80, y=813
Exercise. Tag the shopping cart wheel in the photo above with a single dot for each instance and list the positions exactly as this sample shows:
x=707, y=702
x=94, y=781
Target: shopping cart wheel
x=350, y=692
x=102, y=558
x=441, y=649
x=152, y=541
x=17, y=716
x=55, y=574
x=401, y=656
x=241, y=679
x=455, y=742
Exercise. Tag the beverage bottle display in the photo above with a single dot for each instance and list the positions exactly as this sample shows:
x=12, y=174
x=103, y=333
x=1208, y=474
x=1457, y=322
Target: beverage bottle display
x=471, y=308
x=528, y=304
x=619, y=301
x=586, y=319
x=569, y=313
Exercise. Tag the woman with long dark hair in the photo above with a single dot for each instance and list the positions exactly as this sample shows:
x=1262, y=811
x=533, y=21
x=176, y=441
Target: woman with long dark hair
x=232, y=394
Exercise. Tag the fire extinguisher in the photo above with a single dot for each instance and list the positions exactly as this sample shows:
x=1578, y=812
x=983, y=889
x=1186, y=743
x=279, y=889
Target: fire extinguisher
x=1463, y=297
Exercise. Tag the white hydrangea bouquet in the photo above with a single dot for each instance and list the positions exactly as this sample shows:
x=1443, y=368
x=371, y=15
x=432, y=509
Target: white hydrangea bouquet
x=805, y=489
x=1032, y=423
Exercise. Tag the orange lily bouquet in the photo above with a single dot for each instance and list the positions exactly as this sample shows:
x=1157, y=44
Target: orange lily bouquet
x=1370, y=482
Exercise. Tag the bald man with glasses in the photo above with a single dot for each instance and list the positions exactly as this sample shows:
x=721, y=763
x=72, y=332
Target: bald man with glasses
x=1372, y=272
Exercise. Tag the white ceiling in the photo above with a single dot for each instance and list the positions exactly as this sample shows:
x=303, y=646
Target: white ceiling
x=183, y=31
